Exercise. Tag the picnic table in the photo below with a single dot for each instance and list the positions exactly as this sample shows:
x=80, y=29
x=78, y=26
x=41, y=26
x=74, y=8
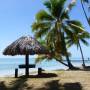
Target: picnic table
x=24, y=66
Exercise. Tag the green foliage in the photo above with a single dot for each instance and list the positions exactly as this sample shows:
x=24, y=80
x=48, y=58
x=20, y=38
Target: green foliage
x=40, y=58
x=76, y=26
x=77, y=37
x=43, y=15
x=51, y=24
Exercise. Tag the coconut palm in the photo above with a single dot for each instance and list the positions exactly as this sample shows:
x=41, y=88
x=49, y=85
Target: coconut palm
x=76, y=38
x=82, y=4
x=87, y=1
x=53, y=53
x=54, y=24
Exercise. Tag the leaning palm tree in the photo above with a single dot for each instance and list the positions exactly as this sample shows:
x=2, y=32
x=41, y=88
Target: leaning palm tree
x=76, y=39
x=52, y=55
x=82, y=4
x=55, y=23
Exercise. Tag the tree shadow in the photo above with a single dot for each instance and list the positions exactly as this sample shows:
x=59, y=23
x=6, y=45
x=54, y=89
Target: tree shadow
x=55, y=85
x=20, y=84
x=3, y=86
x=72, y=86
x=42, y=75
x=86, y=68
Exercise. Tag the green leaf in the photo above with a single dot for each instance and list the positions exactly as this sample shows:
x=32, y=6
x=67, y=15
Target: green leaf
x=42, y=15
x=64, y=15
x=76, y=26
x=40, y=58
x=84, y=42
x=48, y=5
x=57, y=7
x=40, y=26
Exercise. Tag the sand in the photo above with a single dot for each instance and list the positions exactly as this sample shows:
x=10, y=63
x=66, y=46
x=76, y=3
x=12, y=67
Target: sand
x=59, y=80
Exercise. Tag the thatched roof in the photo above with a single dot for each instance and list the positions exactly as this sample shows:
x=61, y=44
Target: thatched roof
x=25, y=45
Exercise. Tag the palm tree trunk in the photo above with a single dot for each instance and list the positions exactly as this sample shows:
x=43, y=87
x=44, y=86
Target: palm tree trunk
x=84, y=12
x=61, y=36
x=61, y=62
x=82, y=55
x=65, y=50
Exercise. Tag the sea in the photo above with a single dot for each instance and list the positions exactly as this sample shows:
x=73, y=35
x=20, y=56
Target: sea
x=8, y=65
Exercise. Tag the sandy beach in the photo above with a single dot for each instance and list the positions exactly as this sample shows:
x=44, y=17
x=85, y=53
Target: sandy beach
x=54, y=80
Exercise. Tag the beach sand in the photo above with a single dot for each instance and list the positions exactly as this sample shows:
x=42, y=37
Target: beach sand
x=58, y=80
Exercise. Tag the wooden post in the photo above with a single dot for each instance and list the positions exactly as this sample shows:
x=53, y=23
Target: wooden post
x=27, y=63
x=16, y=72
x=39, y=71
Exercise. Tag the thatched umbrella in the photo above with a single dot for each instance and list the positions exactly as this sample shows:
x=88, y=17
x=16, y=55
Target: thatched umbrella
x=25, y=45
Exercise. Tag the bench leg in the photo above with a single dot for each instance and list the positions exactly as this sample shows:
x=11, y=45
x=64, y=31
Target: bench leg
x=16, y=73
x=39, y=71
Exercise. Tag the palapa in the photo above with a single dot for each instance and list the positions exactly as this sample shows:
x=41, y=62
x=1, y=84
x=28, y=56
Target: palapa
x=25, y=45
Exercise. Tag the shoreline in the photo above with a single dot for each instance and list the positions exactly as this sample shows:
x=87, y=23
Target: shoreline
x=11, y=73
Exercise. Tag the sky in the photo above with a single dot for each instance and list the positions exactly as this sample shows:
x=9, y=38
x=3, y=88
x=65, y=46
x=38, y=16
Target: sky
x=17, y=16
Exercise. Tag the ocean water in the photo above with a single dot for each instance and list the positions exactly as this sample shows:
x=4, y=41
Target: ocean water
x=8, y=65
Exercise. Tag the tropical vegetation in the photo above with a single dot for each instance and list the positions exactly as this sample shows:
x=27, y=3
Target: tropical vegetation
x=75, y=39
x=53, y=26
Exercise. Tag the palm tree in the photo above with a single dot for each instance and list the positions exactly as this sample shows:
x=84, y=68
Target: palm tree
x=55, y=23
x=76, y=38
x=82, y=4
x=84, y=10
x=53, y=53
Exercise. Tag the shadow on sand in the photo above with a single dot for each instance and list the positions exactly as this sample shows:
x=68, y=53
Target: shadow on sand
x=86, y=68
x=55, y=85
x=21, y=84
x=3, y=86
x=43, y=75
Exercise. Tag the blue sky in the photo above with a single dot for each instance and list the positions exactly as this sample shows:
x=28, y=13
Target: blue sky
x=17, y=16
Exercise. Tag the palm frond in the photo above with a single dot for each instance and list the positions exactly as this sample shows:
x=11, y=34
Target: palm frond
x=84, y=35
x=57, y=7
x=48, y=5
x=76, y=26
x=40, y=26
x=42, y=15
x=40, y=58
x=71, y=5
x=67, y=30
x=41, y=33
x=64, y=15
x=58, y=56
x=69, y=43
x=84, y=42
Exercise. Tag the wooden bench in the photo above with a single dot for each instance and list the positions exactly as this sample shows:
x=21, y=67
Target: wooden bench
x=22, y=66
x=26, y=66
